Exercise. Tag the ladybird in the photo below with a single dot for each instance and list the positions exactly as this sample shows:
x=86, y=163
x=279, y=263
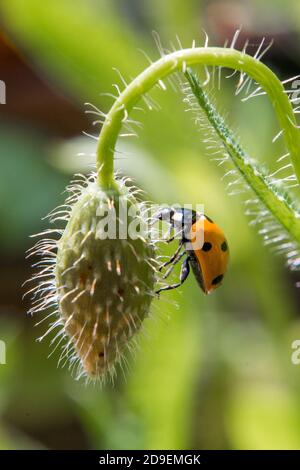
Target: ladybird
x=202, y=246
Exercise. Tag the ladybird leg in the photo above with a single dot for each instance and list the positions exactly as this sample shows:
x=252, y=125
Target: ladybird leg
x=170, y=239
x=185, y=270
x=167, y=237
x=168, y=272
x=178, y=234
x=173, y=257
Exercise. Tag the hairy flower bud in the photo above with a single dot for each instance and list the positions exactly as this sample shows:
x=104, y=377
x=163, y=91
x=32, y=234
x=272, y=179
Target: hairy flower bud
x=103, y=276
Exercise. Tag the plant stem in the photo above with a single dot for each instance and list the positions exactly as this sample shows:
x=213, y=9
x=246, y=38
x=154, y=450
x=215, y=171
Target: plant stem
x=179, y=60
x=273, y=197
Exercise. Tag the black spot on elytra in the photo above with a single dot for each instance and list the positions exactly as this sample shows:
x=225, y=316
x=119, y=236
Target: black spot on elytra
x=217, y=279
x=101, y=354
x=224, y=246
x=206, y=246
x=209, y=219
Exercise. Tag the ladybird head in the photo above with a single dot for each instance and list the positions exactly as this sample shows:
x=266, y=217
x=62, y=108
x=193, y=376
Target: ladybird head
x=166, y=214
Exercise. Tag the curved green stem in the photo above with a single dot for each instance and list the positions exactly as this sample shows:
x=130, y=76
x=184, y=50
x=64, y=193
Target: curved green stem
x=274, y=198
x=210, y=56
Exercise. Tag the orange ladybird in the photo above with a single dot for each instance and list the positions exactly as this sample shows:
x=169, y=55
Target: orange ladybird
x=203, y=246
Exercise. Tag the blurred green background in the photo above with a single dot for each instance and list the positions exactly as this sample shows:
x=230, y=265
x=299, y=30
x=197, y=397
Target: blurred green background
x=212, y=372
